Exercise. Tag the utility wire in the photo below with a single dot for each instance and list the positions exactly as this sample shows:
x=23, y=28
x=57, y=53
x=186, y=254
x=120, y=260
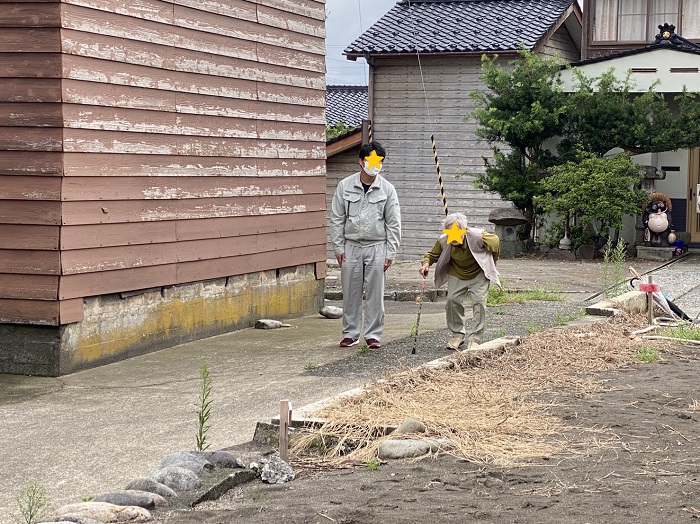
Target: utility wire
x=427, y=109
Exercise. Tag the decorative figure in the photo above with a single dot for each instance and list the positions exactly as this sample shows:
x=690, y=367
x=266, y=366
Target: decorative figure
x=657, y=220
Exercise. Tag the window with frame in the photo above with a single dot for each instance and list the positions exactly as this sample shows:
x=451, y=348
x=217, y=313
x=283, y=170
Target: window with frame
x=639, y=20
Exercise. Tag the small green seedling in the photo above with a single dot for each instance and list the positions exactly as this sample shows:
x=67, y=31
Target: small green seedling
x=648, y=354
x=372, y=464
x=310, y=366
x=203, y=408
x=33, y=503
x=532, y=328
x=364, y=349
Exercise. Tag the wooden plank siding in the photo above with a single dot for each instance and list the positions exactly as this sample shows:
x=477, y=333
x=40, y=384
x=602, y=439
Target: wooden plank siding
x=343, y=164
x=151, y=143
x=403, y=125
x=30, y=208
x=404, y=117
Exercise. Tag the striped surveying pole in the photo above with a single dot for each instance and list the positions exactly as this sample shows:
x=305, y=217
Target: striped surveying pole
x=366, y=131
x=437, y=168
x=421, y=297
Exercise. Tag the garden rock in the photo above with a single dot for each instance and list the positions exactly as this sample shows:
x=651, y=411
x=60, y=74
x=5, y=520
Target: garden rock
x=331, y=312
x=586, y=252
x=194, y=466
x=177, y=478
x=74, y=520
x=441, y=444
x=150, y=485
x=399, y=449
x=143, y=499
x=276, y=471
x=179, y=457
x=410, y=426
x=220, y=459
x=104, y=512
x=266, y=323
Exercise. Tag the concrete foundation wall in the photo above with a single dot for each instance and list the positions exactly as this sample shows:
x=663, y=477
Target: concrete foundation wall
x=120, y=326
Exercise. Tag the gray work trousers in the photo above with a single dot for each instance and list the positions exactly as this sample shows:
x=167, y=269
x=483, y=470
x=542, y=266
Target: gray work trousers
x=477, y=290
x=363, y=270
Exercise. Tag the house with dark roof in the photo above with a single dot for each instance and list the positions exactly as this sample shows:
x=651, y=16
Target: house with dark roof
x=659, y=47
x=345, y=105
x=424, y=59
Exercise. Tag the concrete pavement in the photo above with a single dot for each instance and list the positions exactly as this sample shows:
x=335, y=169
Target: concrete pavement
x=86, y=433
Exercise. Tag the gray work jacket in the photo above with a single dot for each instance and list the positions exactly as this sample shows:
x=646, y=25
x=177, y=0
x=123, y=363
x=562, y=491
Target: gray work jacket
x=365, y=218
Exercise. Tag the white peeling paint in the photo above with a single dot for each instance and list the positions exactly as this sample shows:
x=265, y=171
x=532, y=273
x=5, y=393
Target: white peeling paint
x=160, y=192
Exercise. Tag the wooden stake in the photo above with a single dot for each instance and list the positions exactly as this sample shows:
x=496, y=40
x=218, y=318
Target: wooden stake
x=285, y=421
x=650, y=302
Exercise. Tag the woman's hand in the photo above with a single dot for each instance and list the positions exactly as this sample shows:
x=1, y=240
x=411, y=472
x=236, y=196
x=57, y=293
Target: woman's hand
x=424, y=270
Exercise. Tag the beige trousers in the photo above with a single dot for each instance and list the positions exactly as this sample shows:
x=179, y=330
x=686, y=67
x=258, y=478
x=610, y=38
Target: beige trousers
x=476, y=290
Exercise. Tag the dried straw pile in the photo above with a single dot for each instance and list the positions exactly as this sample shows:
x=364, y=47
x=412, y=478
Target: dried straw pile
x=495, y=406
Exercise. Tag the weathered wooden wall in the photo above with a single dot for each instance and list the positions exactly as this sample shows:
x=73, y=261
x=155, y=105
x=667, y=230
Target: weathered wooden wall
x=146, y=143
x=30, y=161
x=561, y=44
x=340, y=166
x=403, y=125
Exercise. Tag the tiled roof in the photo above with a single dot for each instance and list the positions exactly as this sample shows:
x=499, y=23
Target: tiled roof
x=347, y=104
x=466, y=26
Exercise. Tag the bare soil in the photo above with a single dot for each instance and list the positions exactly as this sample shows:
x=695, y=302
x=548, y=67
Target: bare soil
x=641, y=466
x=631, y=453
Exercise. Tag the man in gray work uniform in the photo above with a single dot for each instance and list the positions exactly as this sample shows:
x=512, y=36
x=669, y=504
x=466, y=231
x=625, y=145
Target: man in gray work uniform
x=365, y=231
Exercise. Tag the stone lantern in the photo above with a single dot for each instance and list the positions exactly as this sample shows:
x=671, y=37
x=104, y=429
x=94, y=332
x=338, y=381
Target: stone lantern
x=507, y=219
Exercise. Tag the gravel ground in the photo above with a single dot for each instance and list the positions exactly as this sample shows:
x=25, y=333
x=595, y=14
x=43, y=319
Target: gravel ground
x=502, y=320
x=577, y=284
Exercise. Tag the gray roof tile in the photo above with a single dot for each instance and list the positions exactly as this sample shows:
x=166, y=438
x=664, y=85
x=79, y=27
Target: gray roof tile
x=347, y=104
x=466, y=26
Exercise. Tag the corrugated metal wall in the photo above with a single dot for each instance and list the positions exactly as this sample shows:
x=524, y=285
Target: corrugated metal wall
x=170, y=142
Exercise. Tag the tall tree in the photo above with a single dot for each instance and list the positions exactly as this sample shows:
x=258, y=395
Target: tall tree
x=604, y=113
x=521, y=109
x=524, y=111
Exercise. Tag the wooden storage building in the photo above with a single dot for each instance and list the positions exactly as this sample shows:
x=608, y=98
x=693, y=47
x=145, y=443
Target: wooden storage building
x=162, y=173
x=425, y=60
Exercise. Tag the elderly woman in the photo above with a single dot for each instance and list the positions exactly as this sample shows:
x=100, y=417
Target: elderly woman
x=466, y=260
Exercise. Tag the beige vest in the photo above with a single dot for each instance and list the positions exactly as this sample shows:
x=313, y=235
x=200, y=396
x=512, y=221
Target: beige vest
x=476, y=245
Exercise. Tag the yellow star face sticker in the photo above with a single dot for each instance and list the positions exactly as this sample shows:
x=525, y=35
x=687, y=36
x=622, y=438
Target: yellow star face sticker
x=454, y=234
x=374, y=160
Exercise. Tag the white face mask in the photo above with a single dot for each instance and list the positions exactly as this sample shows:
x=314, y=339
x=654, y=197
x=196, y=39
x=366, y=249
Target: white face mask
x=372, y=171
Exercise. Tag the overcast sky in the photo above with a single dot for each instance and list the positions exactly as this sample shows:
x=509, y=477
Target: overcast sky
x=348, y=19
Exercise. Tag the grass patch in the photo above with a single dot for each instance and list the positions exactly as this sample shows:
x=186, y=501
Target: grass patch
x=648, y=354
x=498, y=296
x=562, y=320
x=684, y=331
x=372, y=464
